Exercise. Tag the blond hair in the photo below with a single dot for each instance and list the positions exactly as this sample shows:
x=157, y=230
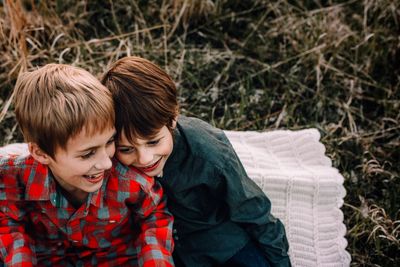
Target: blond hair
x=56, y=102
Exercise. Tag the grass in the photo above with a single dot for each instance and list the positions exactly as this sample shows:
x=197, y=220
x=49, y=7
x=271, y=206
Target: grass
x=249, y=65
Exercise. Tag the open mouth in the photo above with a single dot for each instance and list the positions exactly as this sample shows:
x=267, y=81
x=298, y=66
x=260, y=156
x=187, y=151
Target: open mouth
x=152, y=167
x=95, y=178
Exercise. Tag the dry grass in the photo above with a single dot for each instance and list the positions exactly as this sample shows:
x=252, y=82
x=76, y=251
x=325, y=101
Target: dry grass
x=243, y=65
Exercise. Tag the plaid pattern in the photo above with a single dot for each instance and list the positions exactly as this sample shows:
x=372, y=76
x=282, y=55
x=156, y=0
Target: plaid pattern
x=124, y=223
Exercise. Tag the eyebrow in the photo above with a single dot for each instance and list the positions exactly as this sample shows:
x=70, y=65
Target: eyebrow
x=95, y=147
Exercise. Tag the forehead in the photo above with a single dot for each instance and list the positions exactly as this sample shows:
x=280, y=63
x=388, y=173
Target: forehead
x=87, y=139
x=123, y=140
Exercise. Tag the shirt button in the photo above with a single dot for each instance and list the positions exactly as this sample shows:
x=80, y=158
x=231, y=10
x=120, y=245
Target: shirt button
x=59, y=244
x=174, y=231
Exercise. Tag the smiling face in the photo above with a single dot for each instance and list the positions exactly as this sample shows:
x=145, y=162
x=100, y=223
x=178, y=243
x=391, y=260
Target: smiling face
x=80, y=168
x=147, y=155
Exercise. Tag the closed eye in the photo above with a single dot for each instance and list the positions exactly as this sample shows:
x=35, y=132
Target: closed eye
x=154, y=142
x=88, y=154
x=126, y=150
x=111, y=140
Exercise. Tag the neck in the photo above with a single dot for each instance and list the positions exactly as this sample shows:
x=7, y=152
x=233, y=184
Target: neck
x=75, y=198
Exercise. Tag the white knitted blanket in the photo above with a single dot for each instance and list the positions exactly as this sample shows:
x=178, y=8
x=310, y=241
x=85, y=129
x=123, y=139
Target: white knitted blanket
x=305, y=190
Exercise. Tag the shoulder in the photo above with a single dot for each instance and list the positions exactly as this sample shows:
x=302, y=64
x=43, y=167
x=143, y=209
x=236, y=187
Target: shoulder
x=15, y=171
x=196, y=127
x=130, y=179
x=205, y=140
x=16, y=165
x=132, y=188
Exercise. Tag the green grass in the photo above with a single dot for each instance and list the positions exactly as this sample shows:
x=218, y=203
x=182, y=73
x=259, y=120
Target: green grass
x=250, y=65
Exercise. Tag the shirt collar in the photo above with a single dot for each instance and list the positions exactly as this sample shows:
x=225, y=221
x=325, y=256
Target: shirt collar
x=97, y=197
x=40, y=182
x=41, y=185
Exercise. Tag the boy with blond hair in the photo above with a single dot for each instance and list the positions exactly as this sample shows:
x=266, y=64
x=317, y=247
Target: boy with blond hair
x=221, y=217
x=69, y=203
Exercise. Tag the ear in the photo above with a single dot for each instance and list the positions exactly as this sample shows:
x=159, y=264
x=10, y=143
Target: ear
x=38, y=154
x=174, y=122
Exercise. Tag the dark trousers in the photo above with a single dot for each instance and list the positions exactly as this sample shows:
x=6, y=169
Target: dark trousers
x=249, y=256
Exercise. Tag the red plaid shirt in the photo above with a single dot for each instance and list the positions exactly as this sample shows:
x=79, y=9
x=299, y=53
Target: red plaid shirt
x=124, y=223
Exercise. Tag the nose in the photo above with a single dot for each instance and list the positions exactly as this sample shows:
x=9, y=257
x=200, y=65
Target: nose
x=104, y=161
x=144, y=157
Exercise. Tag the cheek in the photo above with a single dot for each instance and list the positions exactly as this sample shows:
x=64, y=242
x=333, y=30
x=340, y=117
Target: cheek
x=72, y=170
x=169, y=151
x=124, y=159
x=170, y=147
x=111, y=151
x=163, y=151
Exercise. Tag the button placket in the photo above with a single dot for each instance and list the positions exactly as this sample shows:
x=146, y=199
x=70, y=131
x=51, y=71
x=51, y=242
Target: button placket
x=175, y=234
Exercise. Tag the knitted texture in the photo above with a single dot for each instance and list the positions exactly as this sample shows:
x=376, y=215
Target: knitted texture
x=305, y=190
x=14, y=149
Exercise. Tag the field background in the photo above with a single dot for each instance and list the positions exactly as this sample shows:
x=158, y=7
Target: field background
x=249, y=65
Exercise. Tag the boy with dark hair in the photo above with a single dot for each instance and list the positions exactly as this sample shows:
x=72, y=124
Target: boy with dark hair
x=69, y=203
x=222, y=218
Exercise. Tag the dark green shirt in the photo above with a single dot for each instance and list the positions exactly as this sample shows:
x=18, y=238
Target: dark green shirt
x=217, y=207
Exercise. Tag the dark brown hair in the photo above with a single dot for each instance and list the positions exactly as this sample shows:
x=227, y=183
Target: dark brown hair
x=145, y=97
